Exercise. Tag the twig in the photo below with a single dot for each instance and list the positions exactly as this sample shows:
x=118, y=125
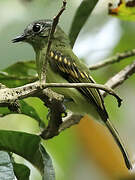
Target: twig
x=120, y=77
x=70, y=120
x=54, y=24
x=8, y=95
x=90, y=85
x=114, y=59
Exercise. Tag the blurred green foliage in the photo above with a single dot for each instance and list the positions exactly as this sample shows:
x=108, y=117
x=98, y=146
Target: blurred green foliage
x=65, y=150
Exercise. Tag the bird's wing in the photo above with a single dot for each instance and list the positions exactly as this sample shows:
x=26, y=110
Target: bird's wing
x=76, y=72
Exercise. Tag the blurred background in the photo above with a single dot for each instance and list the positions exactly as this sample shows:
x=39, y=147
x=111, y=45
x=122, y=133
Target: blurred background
x=85, y=151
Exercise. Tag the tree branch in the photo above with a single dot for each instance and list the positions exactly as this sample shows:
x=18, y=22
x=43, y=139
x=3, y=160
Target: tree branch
x=55, y=101
x=8, y=95
x=120, y=77
x=114, y=59
x=54, y=24
x=90, y=85
x=70, y=120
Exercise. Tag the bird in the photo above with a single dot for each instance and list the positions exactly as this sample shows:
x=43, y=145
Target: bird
x=65, y=67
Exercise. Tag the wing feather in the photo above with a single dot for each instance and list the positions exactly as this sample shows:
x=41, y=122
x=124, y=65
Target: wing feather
x=70, y=70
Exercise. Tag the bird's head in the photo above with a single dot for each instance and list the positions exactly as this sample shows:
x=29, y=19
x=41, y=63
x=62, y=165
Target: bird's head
x=35, y=33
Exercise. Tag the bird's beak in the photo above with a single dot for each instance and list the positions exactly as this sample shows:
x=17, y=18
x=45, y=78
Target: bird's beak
x=19, y=38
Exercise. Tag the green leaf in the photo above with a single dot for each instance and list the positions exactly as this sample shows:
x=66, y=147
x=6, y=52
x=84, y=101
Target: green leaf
x=124, y=10
x=19, y=74
x=6, y=168
x=39, y=107
x=30, y=111
x=81, y=16
x=29, y=147
x=48, y=168
x=21, y=171
x=25, y=109
x=4, y=111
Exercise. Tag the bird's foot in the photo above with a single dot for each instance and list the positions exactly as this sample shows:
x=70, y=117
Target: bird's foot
x=64, y=113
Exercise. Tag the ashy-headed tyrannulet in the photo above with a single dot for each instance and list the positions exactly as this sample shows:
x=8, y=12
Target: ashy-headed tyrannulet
x=65, y=67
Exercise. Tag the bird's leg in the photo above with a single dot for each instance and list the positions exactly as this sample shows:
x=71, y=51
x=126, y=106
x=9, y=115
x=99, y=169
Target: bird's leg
x=62, y=109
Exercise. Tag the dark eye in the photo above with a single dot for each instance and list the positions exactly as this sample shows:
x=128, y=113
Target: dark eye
x=36, y=28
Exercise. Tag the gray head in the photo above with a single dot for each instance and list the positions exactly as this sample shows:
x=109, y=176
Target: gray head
x=35, y=32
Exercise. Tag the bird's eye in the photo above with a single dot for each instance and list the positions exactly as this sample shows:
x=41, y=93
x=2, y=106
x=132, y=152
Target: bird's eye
x=36, y=28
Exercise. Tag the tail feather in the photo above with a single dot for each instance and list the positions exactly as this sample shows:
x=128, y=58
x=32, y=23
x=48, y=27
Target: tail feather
x=119, y=142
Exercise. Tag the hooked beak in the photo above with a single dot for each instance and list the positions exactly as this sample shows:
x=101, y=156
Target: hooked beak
x=19, y=38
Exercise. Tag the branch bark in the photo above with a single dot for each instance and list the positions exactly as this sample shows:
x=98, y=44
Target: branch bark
x=114, y=59
x=120, y=77
x=9, y=95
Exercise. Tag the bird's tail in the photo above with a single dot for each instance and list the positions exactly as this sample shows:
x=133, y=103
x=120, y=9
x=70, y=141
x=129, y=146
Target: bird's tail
x=118, y=140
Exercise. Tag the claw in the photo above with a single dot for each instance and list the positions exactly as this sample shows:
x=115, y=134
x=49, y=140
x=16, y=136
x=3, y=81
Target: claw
x=64, y=114
x=62, y=109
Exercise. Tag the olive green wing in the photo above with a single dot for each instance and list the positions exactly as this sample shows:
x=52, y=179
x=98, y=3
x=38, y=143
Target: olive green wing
x=70, y=67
